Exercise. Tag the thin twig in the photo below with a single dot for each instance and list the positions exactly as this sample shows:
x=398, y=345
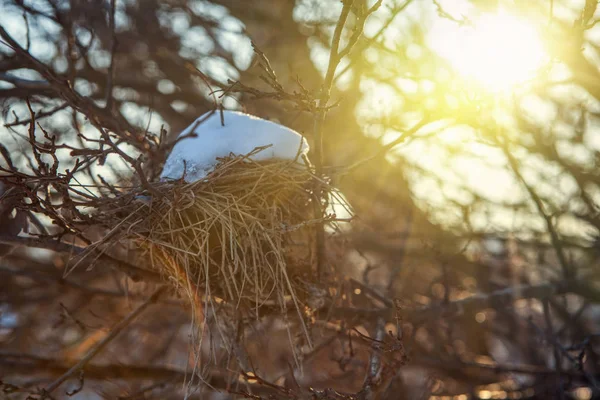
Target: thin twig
x=113, y=51
x=100, y=345
x=335, y=57
x=557, y=357
x=131, y=270
x=554, y=236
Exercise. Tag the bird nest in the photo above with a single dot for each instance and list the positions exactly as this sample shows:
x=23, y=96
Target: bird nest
x=242, y=236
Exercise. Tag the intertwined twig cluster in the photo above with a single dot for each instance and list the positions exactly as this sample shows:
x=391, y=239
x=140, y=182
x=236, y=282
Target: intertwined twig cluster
x=403, y=304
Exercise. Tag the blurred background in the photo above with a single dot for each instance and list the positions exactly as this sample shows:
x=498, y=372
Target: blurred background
x=465, y=135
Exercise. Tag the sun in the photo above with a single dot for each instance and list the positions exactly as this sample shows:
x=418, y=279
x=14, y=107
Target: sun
x=496, y=51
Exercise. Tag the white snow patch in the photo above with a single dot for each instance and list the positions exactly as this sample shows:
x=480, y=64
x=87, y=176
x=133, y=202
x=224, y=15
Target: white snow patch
x=239, y=135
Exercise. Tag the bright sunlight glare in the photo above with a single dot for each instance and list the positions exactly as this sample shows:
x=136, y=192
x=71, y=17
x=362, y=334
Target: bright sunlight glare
x=497, y=51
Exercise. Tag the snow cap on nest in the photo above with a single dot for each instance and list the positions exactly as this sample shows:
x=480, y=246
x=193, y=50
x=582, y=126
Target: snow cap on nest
x=239, y=134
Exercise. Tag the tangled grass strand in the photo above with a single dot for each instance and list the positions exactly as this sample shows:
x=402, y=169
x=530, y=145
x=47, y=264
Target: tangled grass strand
x=227, y=237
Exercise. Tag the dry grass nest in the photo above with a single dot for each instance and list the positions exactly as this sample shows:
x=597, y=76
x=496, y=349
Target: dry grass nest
x=242, y=236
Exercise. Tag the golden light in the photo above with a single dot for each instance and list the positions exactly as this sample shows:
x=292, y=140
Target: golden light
x=583, y=393
x=496, y=51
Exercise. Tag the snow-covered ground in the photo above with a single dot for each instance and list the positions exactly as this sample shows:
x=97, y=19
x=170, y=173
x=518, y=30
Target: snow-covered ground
x=239, y=134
